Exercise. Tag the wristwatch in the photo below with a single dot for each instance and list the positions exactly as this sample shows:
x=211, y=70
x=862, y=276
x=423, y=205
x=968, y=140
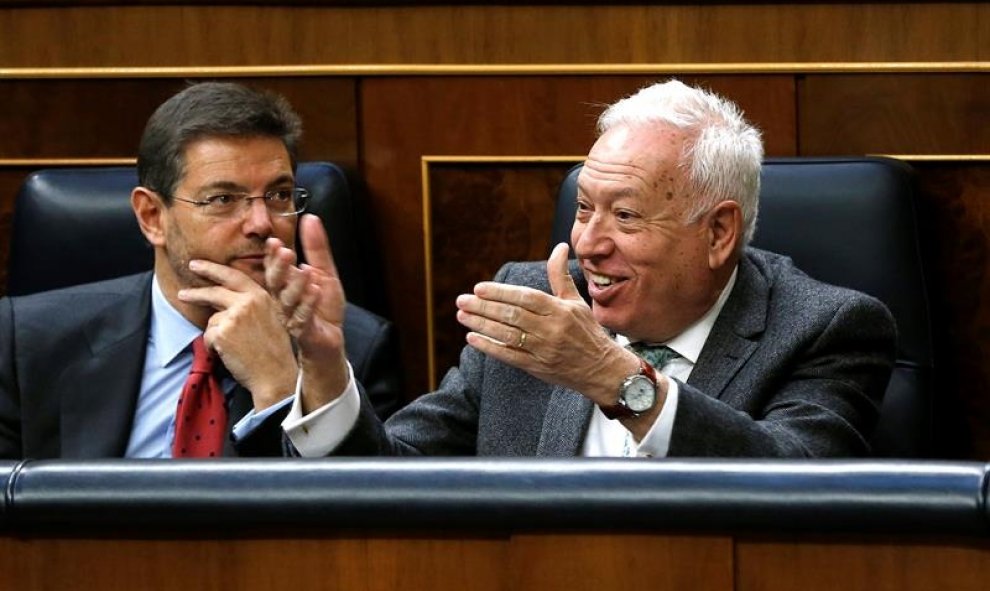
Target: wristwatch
x=637, y=394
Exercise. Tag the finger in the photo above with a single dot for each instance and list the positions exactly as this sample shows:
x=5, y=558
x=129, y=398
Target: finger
x=215, y=296
x=278, y=260
x=299, y=321
x=223, y=275
x=506, y=354
x=295, y=285
x=316, y=245
x=511, y=336
x=330, y=304
x=561, y=282
x=505, y=313
x=525, y=298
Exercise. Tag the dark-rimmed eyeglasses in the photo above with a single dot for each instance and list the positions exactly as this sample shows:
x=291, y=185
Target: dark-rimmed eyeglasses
x=280, y=202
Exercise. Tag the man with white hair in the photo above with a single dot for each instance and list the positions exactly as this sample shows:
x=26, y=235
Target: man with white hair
x=668, y=336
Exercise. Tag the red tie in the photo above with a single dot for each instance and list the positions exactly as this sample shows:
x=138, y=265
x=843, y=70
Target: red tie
x=201, y=419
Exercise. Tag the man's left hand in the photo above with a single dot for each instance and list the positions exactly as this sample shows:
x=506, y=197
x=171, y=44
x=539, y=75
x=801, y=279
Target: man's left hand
x=552, y=337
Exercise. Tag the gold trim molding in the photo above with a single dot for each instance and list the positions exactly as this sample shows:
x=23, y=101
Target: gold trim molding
x=938, y=157
x=491, y=69
x=46, y=162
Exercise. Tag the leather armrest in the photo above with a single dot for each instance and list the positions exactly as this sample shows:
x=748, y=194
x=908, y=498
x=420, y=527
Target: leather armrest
x=395, y=494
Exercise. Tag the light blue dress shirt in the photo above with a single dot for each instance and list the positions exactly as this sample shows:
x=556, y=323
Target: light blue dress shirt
x=167, y=362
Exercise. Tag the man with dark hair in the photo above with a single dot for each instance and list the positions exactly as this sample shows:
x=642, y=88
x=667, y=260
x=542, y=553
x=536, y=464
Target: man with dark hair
x=192, y=359
x=668, y=336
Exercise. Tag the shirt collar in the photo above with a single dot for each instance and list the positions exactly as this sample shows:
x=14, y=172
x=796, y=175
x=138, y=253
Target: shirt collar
x=689, y=343
x=171, y=332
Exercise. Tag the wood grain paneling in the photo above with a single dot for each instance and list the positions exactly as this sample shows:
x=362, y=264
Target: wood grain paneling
x=894, y=114
x=60, y=118
x=956, y=222
x=579, y=562
x=647, y=33
x=863, y=565
x=403, y=119
x=520, y=562
x=482, y=215
x=366, y=563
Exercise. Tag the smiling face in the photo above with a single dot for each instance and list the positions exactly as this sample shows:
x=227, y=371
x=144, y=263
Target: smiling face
x=181, y=231
x=650, y=274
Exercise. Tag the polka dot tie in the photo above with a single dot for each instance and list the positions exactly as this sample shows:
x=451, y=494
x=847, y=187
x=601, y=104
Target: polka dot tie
x=655, y=355
x=201, y=418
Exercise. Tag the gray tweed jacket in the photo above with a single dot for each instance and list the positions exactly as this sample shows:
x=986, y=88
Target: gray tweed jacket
x=792, y=368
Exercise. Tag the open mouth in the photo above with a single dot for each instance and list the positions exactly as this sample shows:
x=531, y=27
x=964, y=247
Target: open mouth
x=602, y=281
x=603, y=288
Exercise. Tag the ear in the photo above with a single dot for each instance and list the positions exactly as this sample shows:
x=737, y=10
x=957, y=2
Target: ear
x=724, y=233
x=150, y=213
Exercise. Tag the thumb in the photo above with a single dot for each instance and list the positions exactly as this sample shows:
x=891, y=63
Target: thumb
x=561, y=282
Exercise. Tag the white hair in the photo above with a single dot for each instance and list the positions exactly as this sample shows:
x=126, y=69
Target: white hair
x=722, y=152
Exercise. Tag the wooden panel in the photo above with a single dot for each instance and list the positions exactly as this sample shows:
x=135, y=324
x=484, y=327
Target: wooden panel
x=451, y=34
x=366, y=563
x=537, y=562
x=894, y=114
x=956, y=220
x=859, y=565
x=483, y=215
x=65, y=118
x=403, y=119
x=610, y=561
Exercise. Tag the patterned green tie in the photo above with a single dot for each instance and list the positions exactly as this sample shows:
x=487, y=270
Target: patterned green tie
x=655, y=355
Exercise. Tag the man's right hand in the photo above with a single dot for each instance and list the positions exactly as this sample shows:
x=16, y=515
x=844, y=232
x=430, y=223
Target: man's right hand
x=312, y=301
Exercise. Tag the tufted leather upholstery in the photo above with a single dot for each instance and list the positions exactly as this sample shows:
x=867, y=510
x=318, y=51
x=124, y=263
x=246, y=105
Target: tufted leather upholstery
x=857, y=496
x=75, y=225
x=849, y=222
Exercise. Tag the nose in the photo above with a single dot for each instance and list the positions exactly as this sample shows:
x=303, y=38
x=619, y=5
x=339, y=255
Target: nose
x=591, y=238
x=257, y=219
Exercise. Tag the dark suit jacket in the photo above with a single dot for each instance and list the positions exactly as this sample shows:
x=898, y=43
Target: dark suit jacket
x=792, y=367
x=71, y=363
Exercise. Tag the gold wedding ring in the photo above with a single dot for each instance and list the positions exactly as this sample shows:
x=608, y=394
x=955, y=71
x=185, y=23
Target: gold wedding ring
x=522, y=340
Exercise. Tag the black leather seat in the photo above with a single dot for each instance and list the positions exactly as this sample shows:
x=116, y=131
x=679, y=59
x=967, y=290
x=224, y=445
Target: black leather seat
x=849, y=222
x=75, y=225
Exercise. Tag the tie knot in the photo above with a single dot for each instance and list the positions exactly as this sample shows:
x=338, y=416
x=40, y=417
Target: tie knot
x=655, y=355
x=202, y=357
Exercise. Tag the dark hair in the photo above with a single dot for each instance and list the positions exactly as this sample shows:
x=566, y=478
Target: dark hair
x=210, y=109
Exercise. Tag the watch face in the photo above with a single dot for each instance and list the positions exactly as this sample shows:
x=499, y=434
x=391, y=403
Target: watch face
x=639, y=394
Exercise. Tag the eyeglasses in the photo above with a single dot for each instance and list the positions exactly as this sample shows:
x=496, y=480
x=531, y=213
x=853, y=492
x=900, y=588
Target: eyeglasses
x=280, y=202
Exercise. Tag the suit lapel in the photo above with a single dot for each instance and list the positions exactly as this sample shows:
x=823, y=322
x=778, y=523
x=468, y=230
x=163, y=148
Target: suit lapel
x=101, y=385
x=730, y=343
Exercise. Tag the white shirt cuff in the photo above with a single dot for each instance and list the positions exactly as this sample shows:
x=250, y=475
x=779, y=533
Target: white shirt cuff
x=321, y=431
x=657, y=440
